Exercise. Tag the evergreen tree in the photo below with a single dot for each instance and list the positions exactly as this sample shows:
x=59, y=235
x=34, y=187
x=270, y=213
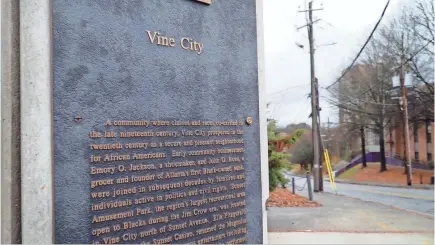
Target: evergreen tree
x=278, y=160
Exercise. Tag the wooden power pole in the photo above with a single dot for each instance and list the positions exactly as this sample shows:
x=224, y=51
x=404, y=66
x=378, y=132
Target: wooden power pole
x=315, y=126
x=318, y=180
x=319, y=137
x=405, y=120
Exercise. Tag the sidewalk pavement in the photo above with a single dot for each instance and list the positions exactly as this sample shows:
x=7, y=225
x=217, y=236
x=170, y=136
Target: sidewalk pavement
x=346, y=214
x=345, y=220
x=348, y=238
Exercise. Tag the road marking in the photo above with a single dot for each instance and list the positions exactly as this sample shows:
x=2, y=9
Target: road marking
x=389, y=193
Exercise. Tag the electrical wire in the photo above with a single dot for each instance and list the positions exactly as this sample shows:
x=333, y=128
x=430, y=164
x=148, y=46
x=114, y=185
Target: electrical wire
x=387, y=76
x=279, y=104
x=363, y=47
x=295, y=115
x=361, y=101
x=287, y=89
x=395, y=70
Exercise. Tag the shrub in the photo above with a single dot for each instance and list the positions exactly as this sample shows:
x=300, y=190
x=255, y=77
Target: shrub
x=303, y=154
x=278, y=161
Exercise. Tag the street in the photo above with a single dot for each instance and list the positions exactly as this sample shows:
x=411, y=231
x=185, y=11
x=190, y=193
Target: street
x=416, y=200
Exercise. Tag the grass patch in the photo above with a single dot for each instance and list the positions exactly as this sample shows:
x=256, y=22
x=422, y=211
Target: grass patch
x=349, y=174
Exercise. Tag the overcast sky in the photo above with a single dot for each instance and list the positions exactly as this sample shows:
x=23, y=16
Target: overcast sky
x=345, y=22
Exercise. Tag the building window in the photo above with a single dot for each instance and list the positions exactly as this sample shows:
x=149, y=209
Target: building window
x=428, y=132
x=416, y=156
x=416, y=133
x=429, y=156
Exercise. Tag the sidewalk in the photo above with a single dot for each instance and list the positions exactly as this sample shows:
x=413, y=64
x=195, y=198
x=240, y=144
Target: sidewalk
x=345, y=214
x=345, y=220
x=348, y=238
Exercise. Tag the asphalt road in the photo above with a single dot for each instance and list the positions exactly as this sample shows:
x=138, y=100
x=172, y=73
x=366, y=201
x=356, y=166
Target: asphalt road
x=416, y=200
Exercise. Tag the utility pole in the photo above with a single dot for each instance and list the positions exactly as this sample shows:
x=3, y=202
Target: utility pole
x=321, y=144
x=405, y=119
x=316, y=170
x=315, y=129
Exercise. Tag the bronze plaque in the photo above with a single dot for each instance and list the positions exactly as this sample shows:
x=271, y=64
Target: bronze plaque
x=156, y=122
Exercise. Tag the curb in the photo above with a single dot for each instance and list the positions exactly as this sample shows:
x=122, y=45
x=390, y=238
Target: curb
x=415, y=212
x=420, y=187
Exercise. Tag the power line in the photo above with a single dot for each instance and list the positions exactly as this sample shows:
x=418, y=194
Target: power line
x=349, y=101
x=277, y=106
x=295, y=115
x=280, y=99
x=287, y=89
x=363, y=47
x=396, y=69
x=384, y=77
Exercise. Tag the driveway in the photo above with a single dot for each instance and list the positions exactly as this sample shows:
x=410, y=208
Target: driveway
x=416, y=200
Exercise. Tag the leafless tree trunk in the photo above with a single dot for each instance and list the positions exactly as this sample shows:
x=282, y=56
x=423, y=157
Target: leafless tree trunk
x=363, y=148
x=382, y=149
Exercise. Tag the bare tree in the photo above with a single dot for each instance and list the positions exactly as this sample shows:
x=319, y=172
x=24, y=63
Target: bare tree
x=364, y=94
x=363, y=105
x=410, y=37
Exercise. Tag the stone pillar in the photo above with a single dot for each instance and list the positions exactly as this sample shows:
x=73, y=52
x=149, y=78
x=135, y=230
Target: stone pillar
x=36, y=122
x=263, y=117
x=10, y=123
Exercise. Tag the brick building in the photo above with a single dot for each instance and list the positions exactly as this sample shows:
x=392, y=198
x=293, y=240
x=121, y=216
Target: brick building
x=421, y=142
x=421, y=126
x=351, y=139
x=421, y=130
